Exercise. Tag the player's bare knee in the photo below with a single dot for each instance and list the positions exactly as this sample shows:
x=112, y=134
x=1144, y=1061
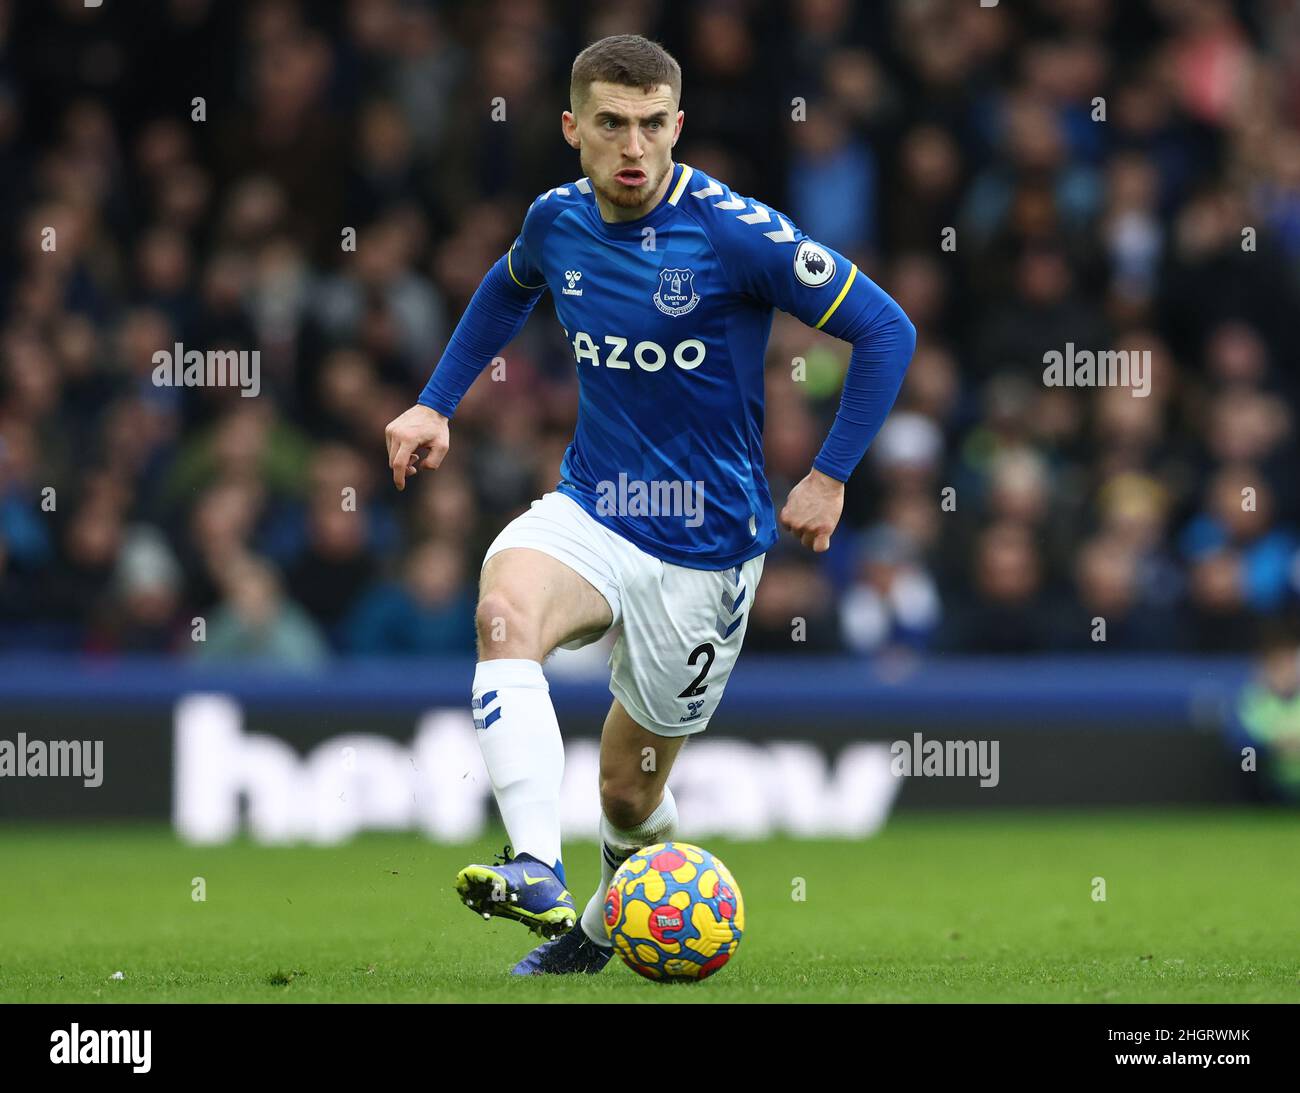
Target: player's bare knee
x=505, y=626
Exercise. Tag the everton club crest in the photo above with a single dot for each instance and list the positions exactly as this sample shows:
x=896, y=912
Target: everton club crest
x=676, y=294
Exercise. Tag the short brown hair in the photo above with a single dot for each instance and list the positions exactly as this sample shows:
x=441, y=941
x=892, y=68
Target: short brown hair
x=626, y=59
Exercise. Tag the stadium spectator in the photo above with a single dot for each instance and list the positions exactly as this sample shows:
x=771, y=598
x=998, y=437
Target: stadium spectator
x=1105, y=612
x=1004, y=615
x=1239, y=517
x=429, y=611
x=255, y=623
x=145, y=613
x=1171, y=224
x=1268, y=715
x=893, y=602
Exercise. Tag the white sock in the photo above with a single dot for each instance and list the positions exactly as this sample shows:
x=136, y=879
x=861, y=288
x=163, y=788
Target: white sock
x=520, y=740
x=616, y=846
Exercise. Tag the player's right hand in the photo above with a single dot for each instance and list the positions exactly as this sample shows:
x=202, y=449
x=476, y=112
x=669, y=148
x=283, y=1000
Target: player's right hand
x=419, y=438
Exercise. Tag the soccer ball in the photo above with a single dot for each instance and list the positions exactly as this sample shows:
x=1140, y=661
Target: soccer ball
x=674, y=913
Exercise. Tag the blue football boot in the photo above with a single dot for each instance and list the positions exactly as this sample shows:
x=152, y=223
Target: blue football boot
x=573, y=954
x=521, y=888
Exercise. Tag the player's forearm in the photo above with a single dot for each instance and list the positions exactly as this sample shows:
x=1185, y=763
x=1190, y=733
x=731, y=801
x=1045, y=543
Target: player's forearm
x=882, y=350
x=494, y=316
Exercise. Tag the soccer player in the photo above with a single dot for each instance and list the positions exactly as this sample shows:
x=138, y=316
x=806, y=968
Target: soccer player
x=664, y=281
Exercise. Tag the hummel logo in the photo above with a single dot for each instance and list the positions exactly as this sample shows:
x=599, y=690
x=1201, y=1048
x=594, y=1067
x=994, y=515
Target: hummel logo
x=572, y=276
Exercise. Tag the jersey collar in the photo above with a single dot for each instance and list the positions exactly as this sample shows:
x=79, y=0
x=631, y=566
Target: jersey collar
x=632, y=229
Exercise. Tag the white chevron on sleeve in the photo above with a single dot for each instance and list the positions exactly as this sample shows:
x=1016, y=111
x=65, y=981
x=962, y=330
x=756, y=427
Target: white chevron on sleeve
x=584, y=187
x=757, y=215
x=785, y=235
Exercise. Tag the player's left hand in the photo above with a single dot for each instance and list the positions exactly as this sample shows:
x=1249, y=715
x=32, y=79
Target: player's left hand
x=813, y=509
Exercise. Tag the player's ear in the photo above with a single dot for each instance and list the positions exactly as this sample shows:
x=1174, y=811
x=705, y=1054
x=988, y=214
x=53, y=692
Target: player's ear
x=677, y=132
x=569, y=127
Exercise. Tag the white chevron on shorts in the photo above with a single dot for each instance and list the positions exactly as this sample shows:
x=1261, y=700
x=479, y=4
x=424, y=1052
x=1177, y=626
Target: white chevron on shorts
x=732, y=605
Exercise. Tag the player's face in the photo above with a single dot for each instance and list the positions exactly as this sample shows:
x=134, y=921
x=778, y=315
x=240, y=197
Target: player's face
x=625, y=138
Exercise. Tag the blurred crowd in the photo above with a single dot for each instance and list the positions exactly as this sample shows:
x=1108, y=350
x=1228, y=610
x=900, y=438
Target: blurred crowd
x=1112, y=174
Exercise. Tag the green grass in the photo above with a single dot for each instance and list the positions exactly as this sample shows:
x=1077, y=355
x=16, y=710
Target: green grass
x=1200, y=907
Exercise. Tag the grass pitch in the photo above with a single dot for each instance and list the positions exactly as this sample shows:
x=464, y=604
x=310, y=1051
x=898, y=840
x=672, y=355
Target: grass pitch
x=1200, y=907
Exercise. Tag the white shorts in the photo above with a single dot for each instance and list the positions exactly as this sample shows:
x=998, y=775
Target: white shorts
x=681, y=628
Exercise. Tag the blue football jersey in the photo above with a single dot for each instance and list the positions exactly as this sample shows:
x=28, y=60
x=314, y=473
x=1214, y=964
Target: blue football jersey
x=668, y=318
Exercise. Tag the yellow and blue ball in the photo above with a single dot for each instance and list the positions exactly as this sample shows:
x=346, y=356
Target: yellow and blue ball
x=674, y=913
